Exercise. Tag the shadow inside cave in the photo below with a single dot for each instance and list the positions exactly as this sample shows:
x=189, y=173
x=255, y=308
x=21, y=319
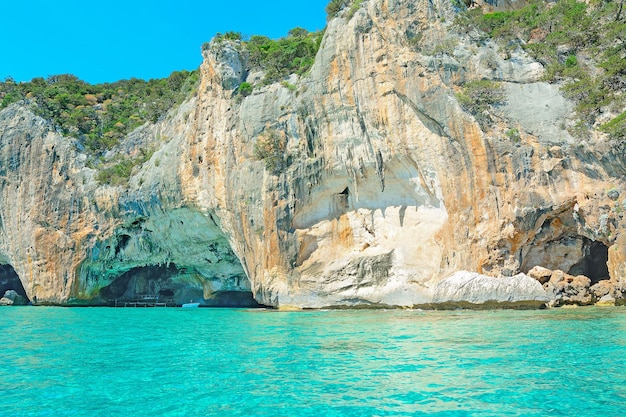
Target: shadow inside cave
x=160, y=285
x=9, y=280
x=594, y=263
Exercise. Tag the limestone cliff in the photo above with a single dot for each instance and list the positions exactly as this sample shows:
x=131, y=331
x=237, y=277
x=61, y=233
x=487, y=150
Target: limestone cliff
x=386, y=185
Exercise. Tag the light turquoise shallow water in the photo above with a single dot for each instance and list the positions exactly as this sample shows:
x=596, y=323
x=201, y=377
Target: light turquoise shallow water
x=220, y=362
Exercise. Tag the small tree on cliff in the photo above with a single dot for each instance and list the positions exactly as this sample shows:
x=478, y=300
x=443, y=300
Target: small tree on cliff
x=270, y=147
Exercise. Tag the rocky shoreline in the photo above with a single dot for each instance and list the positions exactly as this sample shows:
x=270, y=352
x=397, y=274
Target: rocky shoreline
x=541, y=288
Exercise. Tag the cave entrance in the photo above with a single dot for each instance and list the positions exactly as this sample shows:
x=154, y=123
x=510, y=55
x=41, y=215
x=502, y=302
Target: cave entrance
x=9, y=280
x=145, y=282
x=167, y=285
x=594, y=263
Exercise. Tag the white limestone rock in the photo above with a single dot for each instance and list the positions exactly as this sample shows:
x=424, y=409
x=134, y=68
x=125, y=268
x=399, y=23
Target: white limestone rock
x=464, y=289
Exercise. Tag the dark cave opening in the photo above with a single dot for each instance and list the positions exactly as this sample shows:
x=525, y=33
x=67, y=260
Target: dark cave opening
x=9, y=280
x=594, y=262
x=142, y=282
x=237, y=299
x=342, y=202
x=158, y=283
x=166, y=293
x=122, y=243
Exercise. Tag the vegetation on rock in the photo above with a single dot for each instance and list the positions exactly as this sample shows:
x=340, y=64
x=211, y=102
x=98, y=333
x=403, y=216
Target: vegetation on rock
x=99, y=115
x=270, y=147
x=245, y=88
x=276, y=58
x=335, y=6
x=616, y=127
x=581, y=44
x=119, y=173
x=478, y=96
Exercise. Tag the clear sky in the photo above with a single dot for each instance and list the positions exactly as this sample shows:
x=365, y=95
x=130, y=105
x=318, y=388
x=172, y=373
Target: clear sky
x=101, y=41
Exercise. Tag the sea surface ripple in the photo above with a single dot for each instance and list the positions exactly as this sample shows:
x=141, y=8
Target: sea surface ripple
x=228, y=362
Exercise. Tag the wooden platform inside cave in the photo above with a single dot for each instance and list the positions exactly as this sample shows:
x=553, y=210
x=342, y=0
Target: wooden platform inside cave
x=142, y=303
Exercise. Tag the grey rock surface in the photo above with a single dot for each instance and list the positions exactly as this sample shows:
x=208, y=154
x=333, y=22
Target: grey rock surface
x=540, y=109
x=11, y=297
x=230, y=62
x=465, y=288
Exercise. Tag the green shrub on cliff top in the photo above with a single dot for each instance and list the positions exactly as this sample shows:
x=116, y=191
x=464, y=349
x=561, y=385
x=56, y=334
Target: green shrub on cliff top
x=293, y=54
x=99, y=114
x=277, y=58
x=335, y=6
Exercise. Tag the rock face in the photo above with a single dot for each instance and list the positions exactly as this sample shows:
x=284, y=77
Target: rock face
x=387, y=185
x=470, y=289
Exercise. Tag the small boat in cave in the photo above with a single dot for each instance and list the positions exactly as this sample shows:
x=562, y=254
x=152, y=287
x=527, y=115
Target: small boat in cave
x=190, y=304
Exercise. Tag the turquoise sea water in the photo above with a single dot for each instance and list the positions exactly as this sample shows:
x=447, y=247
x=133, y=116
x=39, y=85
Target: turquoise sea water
x=221, y=362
